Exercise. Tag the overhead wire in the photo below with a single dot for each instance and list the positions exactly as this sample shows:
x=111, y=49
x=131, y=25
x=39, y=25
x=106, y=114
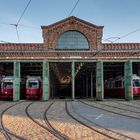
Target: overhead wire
x=17, y=24
x=121, y=37
x=17, y=34
x=22, y=25
x=125, y=35
x=74, y=8
x=24, y=11
x=77, y=2
x=2, y=41
x=117, y=38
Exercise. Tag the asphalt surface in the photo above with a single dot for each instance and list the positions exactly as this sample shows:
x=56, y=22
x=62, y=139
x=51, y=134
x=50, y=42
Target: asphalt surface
x=125, y=125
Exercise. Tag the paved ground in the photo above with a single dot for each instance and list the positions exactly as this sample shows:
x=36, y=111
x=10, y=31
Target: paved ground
x=116, y=122
x=79, y=119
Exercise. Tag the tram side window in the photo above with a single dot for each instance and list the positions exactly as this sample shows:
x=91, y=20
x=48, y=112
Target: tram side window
x=118, y=84
x=123, y=83
x=7, y=85
x=112, y=84
x=32, y=85
x=136, y=83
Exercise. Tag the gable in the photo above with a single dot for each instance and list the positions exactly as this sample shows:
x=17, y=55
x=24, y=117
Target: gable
x=52, y=32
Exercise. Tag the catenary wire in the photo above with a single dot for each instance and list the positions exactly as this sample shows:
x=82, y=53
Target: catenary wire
x=121, y=37
x=74, y=7
x=124, y=36
x=16, y=25
x=118, y=38
x=24, y=11
x=22, y=25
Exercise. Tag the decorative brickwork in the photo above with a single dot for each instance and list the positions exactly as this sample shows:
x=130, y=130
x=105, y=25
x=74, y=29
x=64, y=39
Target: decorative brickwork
x=92, y=32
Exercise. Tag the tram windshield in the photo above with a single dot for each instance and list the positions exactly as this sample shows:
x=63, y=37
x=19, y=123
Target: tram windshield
x=7, y=85
x=136, y=83
x=32, y=85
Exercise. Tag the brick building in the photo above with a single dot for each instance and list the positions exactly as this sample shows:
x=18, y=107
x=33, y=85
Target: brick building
x=73, y=46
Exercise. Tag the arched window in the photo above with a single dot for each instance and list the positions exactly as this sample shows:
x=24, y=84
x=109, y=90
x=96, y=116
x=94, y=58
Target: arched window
x=72, y=40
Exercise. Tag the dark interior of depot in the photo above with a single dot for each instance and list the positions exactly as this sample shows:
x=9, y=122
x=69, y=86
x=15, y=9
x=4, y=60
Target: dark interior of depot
x=60, y=77
x=61, y=80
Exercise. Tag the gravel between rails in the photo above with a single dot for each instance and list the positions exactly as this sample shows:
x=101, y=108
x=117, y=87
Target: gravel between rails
x=65, y=124
x=16, y=121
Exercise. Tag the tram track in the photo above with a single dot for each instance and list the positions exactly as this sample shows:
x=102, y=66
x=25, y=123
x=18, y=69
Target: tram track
x=70, y=127
x=23, y=123
x=121, y=111
x=130, y=104
x=114, y=110
x=49, y=127
x=62, y=136
x=137, y=102
x=7, y=134
x=98, y=128
x=115, y=105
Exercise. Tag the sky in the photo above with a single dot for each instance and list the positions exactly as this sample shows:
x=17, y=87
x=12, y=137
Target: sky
x=118, y=17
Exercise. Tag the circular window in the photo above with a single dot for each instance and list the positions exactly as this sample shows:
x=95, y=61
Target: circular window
x=72, y=40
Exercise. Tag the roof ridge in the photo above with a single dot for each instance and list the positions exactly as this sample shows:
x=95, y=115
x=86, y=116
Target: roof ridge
x=68, y=18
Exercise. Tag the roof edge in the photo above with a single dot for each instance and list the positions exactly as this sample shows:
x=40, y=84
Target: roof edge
x=2, y=44
x=71, y=17
x=127, y=43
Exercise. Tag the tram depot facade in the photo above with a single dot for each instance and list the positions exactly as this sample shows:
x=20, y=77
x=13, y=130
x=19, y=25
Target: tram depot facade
x=72, y=40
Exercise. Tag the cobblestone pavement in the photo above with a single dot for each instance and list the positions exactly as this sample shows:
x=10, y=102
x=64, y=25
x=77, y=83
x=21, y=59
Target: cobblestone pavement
x=3, y=106
x=16, y=120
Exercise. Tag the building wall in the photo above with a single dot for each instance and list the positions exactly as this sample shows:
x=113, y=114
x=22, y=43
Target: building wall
x=92, y=32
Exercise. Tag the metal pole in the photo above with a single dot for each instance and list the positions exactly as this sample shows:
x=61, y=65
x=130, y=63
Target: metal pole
x=16, y=88
x=91, y=85
x=45, y=80
x=99, y=81
x=83, y=87
x=52, y=82
x=73, y=79
x=128, y=81
x=87, y=87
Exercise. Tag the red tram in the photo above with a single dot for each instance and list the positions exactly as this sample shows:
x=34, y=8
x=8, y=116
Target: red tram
x=7, y=84
x=7, y=87
x=114, y=87
x=33, y=87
